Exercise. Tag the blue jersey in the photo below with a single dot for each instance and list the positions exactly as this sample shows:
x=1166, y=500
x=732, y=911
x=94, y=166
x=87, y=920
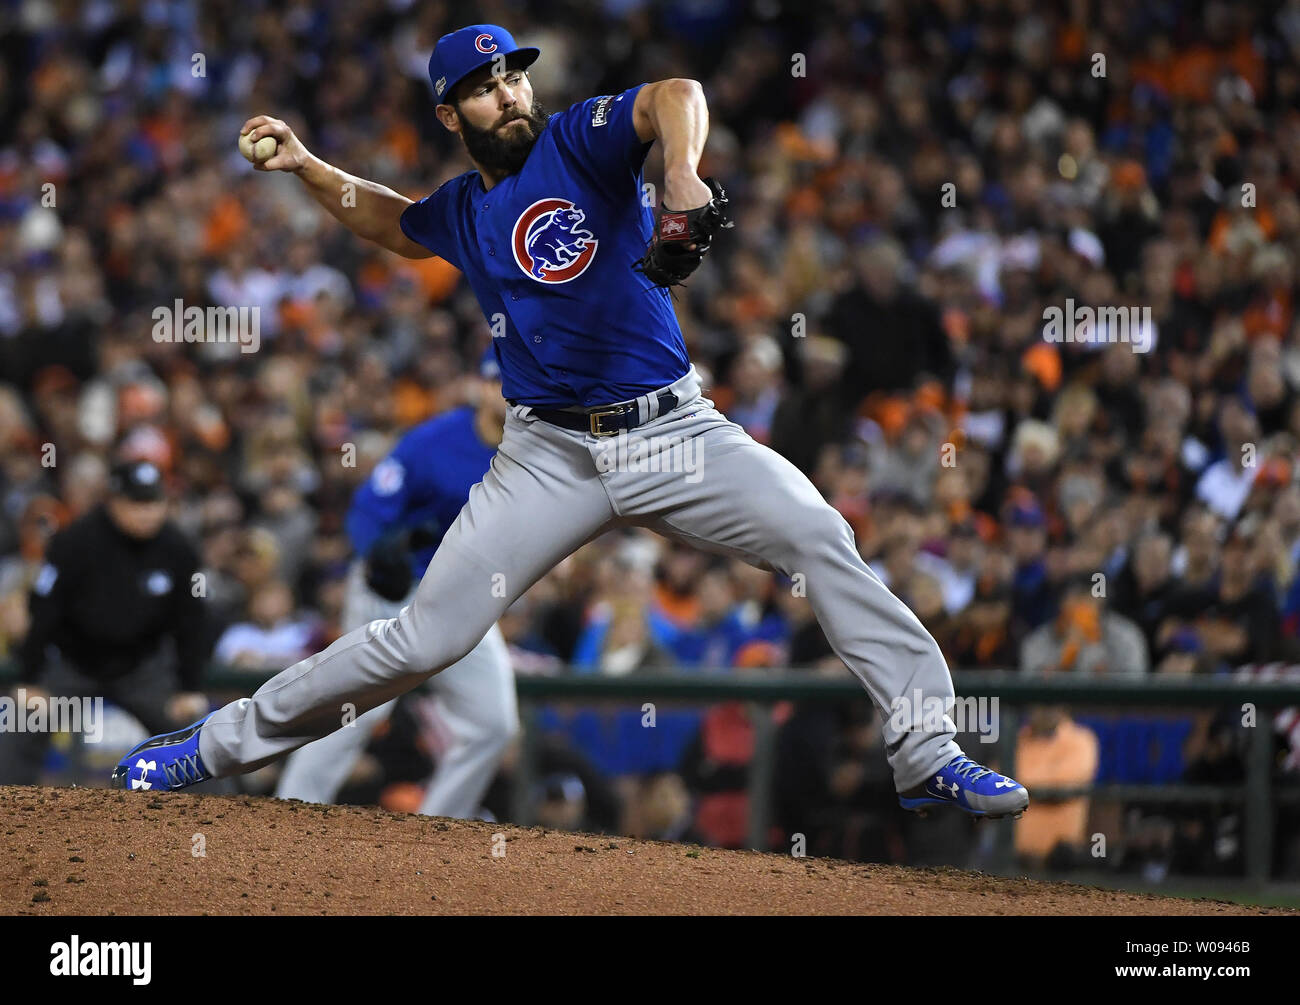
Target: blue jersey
x=548, y=253
x=424, y=481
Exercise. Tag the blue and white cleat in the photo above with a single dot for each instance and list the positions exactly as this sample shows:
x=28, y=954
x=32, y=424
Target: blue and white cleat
x=971, y=787
x=163, y=763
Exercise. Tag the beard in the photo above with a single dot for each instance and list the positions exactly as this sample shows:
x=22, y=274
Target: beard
x=503, y=148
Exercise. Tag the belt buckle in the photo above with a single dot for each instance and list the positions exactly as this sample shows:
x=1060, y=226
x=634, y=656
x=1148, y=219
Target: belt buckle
x=595, y=417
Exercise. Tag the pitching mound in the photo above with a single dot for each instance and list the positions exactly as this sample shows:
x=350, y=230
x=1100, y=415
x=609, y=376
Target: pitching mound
x=102, y=851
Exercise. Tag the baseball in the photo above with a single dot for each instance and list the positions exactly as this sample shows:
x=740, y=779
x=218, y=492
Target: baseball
x=263, y=150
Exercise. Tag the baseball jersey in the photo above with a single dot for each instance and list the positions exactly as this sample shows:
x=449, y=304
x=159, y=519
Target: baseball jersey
x=424, y=481
x=548, y=253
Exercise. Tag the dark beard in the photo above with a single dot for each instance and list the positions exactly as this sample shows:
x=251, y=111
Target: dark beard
x=504, y=154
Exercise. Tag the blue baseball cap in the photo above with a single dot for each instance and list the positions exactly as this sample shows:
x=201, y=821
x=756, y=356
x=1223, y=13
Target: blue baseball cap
x=460, y=53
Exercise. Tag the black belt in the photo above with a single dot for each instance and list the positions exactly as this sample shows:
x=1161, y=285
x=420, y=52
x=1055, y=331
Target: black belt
x=607, y=421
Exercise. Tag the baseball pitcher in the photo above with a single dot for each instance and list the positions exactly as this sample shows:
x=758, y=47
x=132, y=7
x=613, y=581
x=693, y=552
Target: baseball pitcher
x=573, y=270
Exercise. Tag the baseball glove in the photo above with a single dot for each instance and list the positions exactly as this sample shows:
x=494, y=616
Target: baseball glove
x=388, y=567
x=668, y=260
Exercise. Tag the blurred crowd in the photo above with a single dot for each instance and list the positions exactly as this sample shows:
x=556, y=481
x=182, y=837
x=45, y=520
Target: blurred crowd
x=915, y=184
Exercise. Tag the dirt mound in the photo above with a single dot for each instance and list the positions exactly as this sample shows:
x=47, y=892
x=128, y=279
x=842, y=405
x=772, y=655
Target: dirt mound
x=102, y=851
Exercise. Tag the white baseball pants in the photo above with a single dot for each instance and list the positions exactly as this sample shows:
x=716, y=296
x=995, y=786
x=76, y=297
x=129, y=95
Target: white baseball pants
x=476, y=711
x=689, y=474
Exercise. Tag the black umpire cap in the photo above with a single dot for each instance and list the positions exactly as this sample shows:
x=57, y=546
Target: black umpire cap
x=139, y=481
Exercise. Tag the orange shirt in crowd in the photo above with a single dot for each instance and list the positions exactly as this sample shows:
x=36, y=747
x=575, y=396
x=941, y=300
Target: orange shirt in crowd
x=680, y=609
x=1067, y=757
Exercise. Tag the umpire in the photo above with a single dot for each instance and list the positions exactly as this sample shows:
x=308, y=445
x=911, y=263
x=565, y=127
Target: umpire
x=114, y=613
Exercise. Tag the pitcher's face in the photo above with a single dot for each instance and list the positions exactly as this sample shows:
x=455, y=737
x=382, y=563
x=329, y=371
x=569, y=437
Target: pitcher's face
x=497, y=118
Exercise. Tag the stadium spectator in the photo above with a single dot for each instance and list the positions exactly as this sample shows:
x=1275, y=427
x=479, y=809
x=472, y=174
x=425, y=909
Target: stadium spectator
x=812, y=413
x=1145, y=589
x=1085, y=637
x=113, y=614
x=1057, y=753
x=904, y=338
x=273, y=635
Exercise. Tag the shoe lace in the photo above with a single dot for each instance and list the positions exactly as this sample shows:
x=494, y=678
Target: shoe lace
x=184, y=770
x=965, y=767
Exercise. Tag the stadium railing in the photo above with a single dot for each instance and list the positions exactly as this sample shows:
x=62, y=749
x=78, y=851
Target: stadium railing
x=763, y=689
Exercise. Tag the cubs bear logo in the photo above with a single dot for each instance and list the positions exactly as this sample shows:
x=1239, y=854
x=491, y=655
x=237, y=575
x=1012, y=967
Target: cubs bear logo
x=484, y=43
x=549, y=242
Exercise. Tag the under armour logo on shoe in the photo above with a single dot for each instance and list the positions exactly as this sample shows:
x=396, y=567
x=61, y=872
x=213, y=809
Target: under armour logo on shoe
x=145, y=767
x=938, y=781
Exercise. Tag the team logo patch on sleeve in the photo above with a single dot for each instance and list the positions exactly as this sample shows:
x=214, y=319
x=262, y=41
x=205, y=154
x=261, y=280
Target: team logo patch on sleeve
x=550, y=243
x=387, y=477
x=600, y=111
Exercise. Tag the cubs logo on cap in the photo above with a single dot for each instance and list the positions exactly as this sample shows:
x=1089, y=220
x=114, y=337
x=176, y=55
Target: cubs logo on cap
x=461, y=52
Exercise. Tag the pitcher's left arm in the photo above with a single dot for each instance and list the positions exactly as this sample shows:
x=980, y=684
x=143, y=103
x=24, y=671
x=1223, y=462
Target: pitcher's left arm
x=675, y=113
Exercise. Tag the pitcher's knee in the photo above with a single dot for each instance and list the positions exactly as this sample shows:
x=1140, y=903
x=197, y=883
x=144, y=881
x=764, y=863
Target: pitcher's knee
x=813, y=533
x=415, y=646
x=459, y=642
